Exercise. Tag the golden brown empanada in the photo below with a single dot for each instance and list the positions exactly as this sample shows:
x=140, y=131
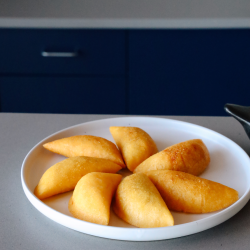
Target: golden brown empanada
x=92, y=197
x=86, y=145
x=190, y=156
x=63, y=176
x=187, y=193
x=138, y=202
x=135, y=145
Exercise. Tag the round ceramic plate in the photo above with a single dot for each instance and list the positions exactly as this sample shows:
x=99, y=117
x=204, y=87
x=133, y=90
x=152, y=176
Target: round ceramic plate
x=229, y=165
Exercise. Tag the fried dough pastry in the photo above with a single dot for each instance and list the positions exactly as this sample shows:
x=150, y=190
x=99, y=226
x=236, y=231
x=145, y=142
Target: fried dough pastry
x=138, y=202
x=187, y=193
x=92, y=197
x=86, y=145
x=63, y=176
x=135, y=145
x=190, y=156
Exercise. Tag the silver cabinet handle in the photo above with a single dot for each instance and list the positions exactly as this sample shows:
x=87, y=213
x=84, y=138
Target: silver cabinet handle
x=59, y=54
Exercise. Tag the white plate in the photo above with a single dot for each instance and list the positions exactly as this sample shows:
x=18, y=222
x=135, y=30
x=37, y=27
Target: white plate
x=230, y=165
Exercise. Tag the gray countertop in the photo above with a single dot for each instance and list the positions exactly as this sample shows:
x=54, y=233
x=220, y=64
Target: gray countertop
x=24, y=227
x=125, y=14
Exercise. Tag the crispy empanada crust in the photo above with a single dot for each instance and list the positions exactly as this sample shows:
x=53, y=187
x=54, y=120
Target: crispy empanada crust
x=135, y=145
x=63, y=176
x=138, y=202
x=190, y=156
x=187, y=193
x=86, y=145
x=92, y=197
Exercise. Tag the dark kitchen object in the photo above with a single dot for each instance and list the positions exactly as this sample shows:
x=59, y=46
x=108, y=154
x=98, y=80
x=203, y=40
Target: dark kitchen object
x=241, y=113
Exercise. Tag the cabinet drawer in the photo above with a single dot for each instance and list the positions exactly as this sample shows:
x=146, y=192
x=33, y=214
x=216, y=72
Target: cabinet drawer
x=45, y=51
x=73, y=95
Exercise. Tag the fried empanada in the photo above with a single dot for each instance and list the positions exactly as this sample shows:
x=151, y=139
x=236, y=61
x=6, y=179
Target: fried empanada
x=63, y=176
x=135, y=145
x=138, y=202
x=190, y=156
x=92, y=197
x=187, y=193
x=86, y=145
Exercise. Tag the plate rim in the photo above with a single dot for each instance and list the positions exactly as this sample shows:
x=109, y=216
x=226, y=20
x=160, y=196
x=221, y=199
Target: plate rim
x=36, y=202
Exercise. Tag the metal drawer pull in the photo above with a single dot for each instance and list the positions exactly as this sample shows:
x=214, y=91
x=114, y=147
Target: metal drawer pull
x=59, y=54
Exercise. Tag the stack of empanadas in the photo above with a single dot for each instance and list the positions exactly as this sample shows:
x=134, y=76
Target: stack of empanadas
x=161, y=180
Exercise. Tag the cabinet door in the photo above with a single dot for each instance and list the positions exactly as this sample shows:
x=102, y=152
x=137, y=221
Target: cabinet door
x=62, y=51
x=74, y=95
x=188, y=72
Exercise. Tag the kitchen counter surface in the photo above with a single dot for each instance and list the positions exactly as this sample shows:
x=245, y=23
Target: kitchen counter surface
x=125, y=14
x=24, y=227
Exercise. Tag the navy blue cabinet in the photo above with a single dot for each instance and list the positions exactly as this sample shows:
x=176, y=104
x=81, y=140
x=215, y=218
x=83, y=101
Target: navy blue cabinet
x=89, y=52
x=145, y=72
x=63, y=71
x=188, y=72
x=72, y=95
